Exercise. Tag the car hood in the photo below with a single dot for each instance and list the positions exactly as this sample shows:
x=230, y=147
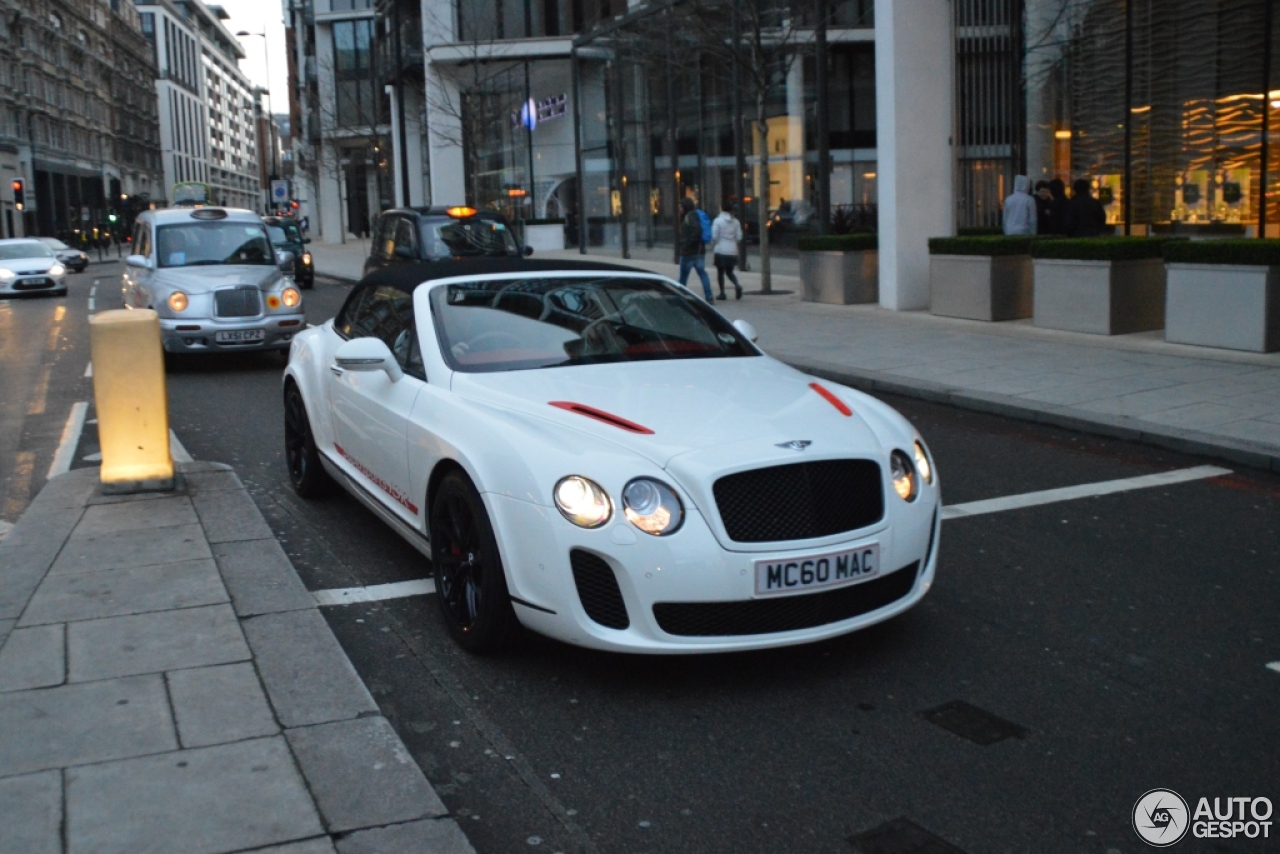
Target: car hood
x=717, y=413
x=29, y=265
x=197, y=280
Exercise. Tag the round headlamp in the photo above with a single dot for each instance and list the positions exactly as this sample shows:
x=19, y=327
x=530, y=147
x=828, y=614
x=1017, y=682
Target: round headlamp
x=652, y=506
x=6, y=275
x=903, y=474
x=290, y=297
x=922, y=463
x=583, y=502
x=178, y=301
x=57, y=270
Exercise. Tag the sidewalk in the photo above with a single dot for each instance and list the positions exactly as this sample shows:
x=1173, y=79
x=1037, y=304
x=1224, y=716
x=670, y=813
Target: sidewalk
x=168, y=684
x=1220, y=403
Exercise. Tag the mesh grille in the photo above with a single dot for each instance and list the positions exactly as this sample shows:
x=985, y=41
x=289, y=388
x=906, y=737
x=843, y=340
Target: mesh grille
x=800, y=501
x=242, y=301
x=784, y=614
x=598, y=589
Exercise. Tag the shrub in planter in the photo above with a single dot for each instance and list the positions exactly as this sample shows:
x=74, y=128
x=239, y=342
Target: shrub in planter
x=840, y=268
x=1224, y=293
x=1103, y=285
x=980, y=277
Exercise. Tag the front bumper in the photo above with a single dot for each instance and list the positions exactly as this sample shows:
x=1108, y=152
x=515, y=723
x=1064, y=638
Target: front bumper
x=227, y=335
x=36, y=283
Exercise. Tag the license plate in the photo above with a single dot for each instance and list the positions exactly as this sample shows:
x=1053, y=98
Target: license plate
x=817, y=572
x=239, y=336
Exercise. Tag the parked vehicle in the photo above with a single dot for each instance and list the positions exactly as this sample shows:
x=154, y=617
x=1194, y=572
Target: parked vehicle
x=71, y=258
x=29, y=266
x=412, y=235
x=287, y=237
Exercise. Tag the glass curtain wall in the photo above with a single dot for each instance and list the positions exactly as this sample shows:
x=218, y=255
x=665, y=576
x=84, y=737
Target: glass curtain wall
x=359, y=124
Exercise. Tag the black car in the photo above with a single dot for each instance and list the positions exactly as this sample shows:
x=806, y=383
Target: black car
x=287, y=237
x=71, y=258
x=413, y=235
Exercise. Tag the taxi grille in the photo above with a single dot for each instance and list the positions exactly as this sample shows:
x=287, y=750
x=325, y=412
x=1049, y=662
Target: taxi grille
x=800, y=501
x=784, y=613
x=242, y=301
x=598, y=589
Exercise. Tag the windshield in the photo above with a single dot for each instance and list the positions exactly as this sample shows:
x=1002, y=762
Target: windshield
x=54, y=243
x=282, y=234
x=451, y=238
x=193, y=244
x=516, y=324
x=26, y=249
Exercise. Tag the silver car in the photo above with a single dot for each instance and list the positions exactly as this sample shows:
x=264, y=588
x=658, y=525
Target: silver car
x=27, y=266
x=215, y=280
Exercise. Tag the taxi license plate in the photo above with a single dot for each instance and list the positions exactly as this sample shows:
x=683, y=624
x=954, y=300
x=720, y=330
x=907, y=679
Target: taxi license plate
x=239, y=336
x=817, y=572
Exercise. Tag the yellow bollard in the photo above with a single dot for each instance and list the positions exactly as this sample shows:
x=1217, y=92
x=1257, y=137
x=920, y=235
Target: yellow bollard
x=132, y=402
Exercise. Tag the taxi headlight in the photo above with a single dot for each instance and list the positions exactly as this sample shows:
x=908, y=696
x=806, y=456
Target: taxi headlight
x=306, y=259
x=178, y=301
x=904, y=476
x=652, y=506
x=922, y=463
x=583, y=502
x=291, y=298
x=57, y=270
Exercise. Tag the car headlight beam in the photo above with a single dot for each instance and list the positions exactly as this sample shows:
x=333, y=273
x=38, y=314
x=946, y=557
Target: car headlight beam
x=652, y=506
x=178, y=301
x=57, y=270
x=903, y=473
x=922, y=463
x=6, y=275
x=583, y=502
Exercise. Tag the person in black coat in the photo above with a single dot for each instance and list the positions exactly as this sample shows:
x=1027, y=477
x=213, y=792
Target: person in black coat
x=1085, y=216
x=1044, y=208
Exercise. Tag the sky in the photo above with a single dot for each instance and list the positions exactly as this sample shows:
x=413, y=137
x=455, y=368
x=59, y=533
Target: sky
x=257, y=16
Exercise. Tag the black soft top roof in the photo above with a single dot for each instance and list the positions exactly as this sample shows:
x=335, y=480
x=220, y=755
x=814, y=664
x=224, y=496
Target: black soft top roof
x=409, y=276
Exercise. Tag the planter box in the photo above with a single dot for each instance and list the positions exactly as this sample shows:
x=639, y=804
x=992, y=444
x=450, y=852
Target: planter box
x=842, y=278
x=1102, y=297
x=980, y=287
x=1223, y=305
x=544, y=237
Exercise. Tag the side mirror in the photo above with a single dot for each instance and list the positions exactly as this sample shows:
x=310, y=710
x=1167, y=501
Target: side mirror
x=747, y=330
x=528, y=250
x=306, y=240
x=368, y=354
x=138, y=261
x=405, y=252
x=284, y=260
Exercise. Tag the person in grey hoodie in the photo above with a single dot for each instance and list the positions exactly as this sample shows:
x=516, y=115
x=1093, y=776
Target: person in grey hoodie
x=1020, y=208
x=726, y=234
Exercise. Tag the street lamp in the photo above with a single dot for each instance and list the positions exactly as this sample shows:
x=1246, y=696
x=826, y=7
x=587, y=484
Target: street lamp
x=271, y=115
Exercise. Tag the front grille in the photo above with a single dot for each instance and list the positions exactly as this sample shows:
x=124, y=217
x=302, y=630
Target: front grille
x=800, y=501
x=598, y=589
x=784, y=613
x=242, y=301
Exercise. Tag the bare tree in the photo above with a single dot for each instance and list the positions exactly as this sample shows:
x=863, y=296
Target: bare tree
x=350, y=121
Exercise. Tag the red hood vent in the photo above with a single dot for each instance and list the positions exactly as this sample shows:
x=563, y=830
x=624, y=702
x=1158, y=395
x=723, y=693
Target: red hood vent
x=832, y=399
x=601, y=415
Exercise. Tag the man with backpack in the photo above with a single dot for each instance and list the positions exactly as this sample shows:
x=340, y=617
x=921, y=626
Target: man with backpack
x=695, y=234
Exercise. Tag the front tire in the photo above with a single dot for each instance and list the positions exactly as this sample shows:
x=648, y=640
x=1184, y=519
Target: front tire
x=306, y=474
x=471, y=586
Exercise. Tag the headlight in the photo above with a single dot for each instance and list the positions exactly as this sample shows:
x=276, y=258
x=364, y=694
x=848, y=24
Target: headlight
x=178, y=301
x=922, y=463
x=652, y=506
x=306, y=259
x=583, y=502
x=904, y=476
x=57, y=270
x=290, y=297
x=6, y=275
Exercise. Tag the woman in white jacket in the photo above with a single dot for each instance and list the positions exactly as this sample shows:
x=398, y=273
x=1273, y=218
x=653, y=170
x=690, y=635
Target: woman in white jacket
x=726, y=233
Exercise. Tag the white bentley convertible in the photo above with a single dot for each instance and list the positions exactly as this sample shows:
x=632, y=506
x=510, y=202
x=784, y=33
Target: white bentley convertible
x=597, y=454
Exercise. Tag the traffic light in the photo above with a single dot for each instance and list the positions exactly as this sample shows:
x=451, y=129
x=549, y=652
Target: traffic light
x=111, y=217
x=19, y=194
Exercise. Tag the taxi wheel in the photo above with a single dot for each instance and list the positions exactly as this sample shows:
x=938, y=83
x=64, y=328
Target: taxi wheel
x=471, y=587
x=307, y=475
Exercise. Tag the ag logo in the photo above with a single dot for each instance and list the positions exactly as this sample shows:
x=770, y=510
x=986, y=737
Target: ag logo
x=1160, y=817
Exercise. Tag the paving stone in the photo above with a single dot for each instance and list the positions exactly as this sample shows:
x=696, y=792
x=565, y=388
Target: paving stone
x=6, y=626
x=260, y=578
x=433, y=836
x=71, y=490
x=215, y=705
x=361, y=774
x=132, y=548
x=229, y=515
x=21, y=571
x=152, y=643
x=31, y=813
x=307, y=675
x=49, y=528
x=211, y=799
x=34, y=658
x=163, y=513
x=320, y=845
x=98, y=499
x=67, y=597
x=79, y=724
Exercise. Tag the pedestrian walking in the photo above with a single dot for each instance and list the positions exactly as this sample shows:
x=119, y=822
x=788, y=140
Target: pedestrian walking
x=693, y=246
x=1020, y=208
x=1085, y=216
x=726, y=234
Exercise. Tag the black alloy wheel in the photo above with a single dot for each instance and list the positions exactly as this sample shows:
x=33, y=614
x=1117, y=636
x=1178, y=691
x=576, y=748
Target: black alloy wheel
x=308, y=477
x=471, y=587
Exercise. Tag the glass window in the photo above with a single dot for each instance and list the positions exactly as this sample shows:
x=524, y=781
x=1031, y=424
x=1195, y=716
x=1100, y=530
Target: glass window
x=449, y=238
x=213, y=243
x=385, y=313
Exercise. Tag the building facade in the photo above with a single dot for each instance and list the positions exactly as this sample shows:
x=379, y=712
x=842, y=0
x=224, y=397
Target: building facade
x=78, y=115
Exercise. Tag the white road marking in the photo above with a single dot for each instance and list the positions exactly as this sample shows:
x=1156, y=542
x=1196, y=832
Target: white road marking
x=1084, y=490
x=70, y=438
x=88, y=370
x=376, y=593
x=1271, y=665
x=5, y=528
x=176, y=450
x=91, y=308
